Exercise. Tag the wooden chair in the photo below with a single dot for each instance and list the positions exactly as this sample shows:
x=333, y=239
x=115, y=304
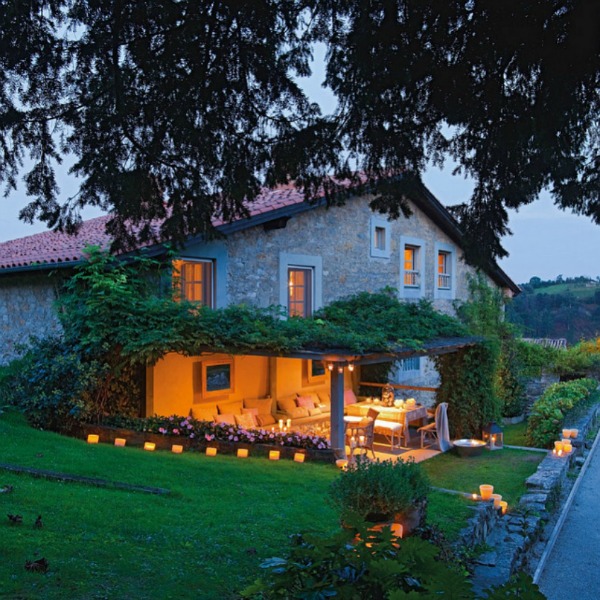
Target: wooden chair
x=430, y=431
x=363, y=430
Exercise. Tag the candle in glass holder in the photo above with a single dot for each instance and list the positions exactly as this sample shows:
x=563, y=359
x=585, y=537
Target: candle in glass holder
x=120, y=442
x=558, y=446
x=504, y=506
x=273, y=454
x=574, y=433
x=289, y=423
x=211, y=452
x=486, y=491
x=361, y=440
x=299, y=457
x=93, y=438
x=497, y=499
x=242, y=453
x=280, y=424
x=341, y=463
x=150, y=446
x=567, y=448
x=566, y=441
x=566, y=433
x=177, y=449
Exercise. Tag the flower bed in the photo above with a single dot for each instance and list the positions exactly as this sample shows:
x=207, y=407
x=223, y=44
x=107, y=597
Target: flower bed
x=193, y=434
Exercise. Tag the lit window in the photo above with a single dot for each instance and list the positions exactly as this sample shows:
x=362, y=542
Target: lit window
x=411, y=270
x=300, y=291
x=195, y=280
x=443, y=270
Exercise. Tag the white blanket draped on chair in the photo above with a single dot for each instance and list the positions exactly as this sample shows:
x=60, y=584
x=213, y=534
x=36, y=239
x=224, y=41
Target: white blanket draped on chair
x=443, y=432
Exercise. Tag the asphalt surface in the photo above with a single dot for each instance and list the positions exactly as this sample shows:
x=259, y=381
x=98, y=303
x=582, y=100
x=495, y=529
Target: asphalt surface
x=572, y=569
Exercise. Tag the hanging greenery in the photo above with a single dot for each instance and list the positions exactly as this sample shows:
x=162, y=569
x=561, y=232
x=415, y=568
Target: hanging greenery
x=467, y=385
x=483, y=314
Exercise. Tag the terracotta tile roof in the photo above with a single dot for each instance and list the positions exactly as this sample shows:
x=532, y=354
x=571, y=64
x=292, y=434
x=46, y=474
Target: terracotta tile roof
x=50, y=247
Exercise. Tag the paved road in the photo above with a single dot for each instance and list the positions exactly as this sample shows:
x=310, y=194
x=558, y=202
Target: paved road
x=572, y=569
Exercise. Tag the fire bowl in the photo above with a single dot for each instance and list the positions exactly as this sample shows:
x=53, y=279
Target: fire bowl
x=466, y=448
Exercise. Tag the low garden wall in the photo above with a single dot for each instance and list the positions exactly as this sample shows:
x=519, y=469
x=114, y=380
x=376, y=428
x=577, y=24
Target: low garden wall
x=164, y=442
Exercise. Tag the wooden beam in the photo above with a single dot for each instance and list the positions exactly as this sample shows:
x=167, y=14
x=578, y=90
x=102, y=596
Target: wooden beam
x=400, y=386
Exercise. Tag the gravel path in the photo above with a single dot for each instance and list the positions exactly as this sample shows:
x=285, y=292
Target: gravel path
x=572, y=568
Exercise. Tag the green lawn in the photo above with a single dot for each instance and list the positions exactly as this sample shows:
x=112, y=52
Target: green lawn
x=505, y=469
x=515, y=435
x=204, y=540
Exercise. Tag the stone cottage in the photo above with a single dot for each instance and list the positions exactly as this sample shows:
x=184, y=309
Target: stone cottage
x=287, y=252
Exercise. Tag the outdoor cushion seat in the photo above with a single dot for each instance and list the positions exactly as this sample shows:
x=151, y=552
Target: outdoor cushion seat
x=389, y=429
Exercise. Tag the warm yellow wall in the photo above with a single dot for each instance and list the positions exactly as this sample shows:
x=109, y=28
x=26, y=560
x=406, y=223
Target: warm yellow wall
x=171, y=390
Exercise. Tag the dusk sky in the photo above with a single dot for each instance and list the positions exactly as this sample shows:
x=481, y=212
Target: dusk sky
x=546, y=242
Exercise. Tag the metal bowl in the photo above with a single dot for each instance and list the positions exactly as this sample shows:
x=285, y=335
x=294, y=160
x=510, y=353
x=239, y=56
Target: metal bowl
x=468, y=447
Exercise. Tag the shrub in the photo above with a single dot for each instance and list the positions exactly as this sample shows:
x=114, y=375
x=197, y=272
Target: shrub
x=53, y=387
x=549, y=411
x=383, y=488
x=378, y=567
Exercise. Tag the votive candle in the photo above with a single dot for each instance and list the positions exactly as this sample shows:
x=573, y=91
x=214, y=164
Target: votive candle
x=242, y=453
x=504, y=506
x=274, y=454
x=497, y=498
x=566, y=433
x=341, y=463
x=486, y=491
x=558, y=446
x=211, y=451
x=150, y=446
x=177, y=449
x=93, y=438
x=299, y=457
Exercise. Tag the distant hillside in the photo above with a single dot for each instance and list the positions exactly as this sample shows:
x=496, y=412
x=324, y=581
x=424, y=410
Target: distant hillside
x=568, y=308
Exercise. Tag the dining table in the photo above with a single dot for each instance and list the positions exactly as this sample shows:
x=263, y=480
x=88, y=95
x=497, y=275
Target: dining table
x=405, y=414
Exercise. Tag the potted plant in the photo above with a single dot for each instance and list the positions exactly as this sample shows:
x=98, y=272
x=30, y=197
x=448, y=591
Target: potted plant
x=382, y=491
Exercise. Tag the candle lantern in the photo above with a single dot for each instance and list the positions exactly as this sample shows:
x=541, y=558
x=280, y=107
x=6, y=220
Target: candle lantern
x=493, y=437
x=242, y=453
x=93, y=438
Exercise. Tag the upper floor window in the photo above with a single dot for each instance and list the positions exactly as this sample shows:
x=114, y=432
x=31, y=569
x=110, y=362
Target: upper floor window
x=412, y=273
x=444, y=270
x=195, y=280
x=300, y=291
x=412, y=257
x=380, y=238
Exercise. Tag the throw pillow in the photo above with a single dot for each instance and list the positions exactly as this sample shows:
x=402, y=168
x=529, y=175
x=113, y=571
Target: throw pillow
x=228, y=419
x=264, y=420
x=288, y=405
x=315, y=411
x=349, y=397
x=299, y=411
x=305, y=401
x=253, y=412
x=246, y=421
x=264, y=405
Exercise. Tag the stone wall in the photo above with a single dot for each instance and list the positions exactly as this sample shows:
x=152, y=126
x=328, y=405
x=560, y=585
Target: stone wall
x=26, y=309
x=341, y=238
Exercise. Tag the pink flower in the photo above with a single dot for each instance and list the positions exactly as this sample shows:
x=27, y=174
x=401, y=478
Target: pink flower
x=162, y=430
x=176, y=431
x=192, y=435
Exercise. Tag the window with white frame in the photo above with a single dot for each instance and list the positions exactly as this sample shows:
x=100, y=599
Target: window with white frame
x=412, y=256
x=195, y=280
x=412, y=273
x=300, y=291
x=300, y=283
x=380, y=238
x=409, y=365
x=444, y=270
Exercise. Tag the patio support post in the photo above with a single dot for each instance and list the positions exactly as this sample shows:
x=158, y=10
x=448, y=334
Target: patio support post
x=337, y=410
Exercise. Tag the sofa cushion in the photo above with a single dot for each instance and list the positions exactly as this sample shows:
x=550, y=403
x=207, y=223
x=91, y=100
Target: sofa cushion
x=349, y=397
x=234, y=407
x=265, y=420
x=264, y=405
x=299, y=412
x=315, y=411
x=287, y=405
x=205, y=412
x=305, y=401
x=253, y=412
x=325, y=398
x=245, y=420
x=228, y=419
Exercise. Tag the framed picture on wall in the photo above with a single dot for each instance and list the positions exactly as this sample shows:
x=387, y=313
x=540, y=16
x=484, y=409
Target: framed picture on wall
x=213, y=378
x=315, y=371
